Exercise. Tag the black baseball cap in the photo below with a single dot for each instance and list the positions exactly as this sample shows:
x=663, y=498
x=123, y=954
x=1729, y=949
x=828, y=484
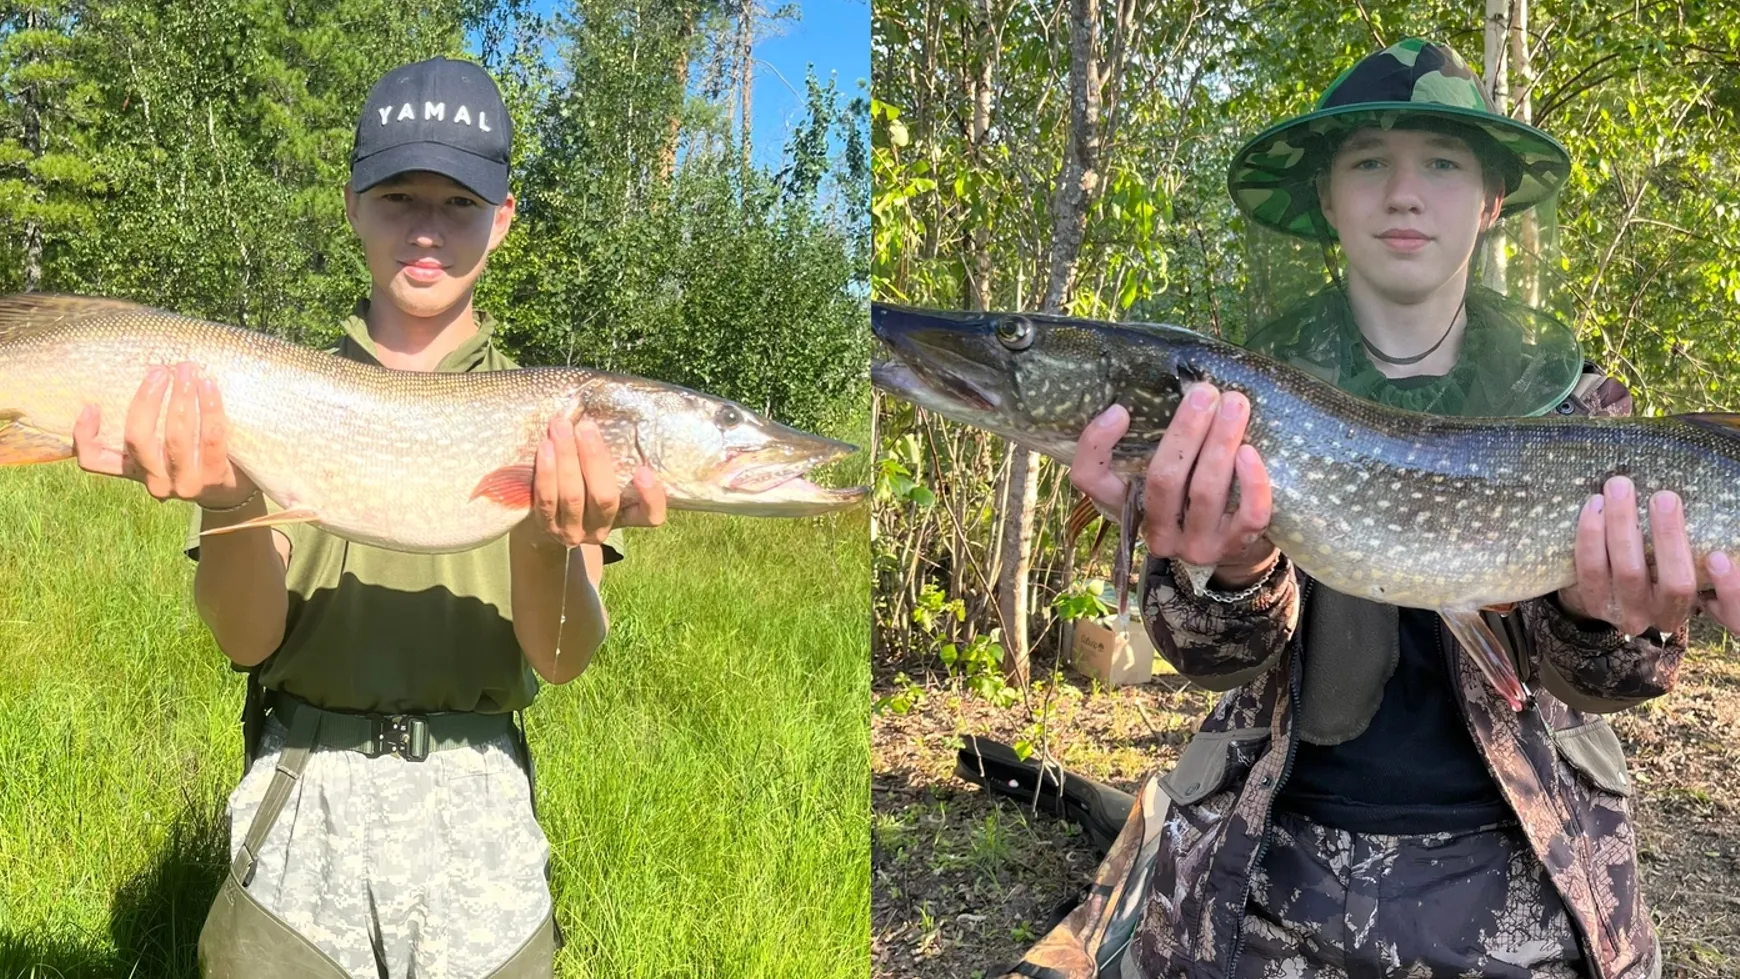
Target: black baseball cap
x=439, y=115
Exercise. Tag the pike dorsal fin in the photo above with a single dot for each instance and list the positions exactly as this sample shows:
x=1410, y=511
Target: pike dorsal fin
x=31, y=312
x=1724, y=423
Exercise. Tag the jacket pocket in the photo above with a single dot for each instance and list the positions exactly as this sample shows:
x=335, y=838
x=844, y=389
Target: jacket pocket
x=1593, y=749
x=1211, y=761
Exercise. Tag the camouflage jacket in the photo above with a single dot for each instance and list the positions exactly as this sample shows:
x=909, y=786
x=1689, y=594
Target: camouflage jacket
x=1171, y=894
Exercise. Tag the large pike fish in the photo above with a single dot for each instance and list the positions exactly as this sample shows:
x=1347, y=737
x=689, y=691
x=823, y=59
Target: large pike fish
x=412, y=461
x=1449, y=514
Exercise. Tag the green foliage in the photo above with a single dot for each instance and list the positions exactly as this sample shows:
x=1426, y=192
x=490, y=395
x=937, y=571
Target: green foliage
x=905, y=697
x=193, y=156
x=897, y=474
x=979, y=664
x=225, y=128
x=933, y=607
x=731, y=279
x=1082, y=600
x=734, y=290
x=1644, y=96
x=49, y=106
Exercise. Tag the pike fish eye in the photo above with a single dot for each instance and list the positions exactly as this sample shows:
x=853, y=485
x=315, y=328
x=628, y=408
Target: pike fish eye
x=1015, y=332
x=728, y=416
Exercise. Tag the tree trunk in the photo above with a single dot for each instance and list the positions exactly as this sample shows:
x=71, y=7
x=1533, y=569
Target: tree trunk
x=1017, y=545
x=925, y=94
x=1079, y=180
x=977, y=80
x=745, y=73
x=1497, y=42
x=1077, y=183
x=32, y=255
x=978, y=291
x=680, y=73
x=1529, y=228
x=33, y=145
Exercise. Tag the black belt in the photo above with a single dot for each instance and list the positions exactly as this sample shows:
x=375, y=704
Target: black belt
x=410, y=736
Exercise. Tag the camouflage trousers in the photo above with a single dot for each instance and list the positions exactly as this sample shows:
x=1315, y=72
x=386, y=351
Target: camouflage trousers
x=433, y=869
x=1327, y=904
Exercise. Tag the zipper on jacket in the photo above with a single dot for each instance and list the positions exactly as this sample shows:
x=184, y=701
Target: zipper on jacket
x=1294, y=680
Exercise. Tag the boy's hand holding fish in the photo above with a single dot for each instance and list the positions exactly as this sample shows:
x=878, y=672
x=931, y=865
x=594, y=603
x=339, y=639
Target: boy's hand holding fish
x=189, y=461
x=575, y=499
x=1614, y=584
x=1188, y=484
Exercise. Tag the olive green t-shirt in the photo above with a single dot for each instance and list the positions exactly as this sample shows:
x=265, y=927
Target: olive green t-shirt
x=371, y=629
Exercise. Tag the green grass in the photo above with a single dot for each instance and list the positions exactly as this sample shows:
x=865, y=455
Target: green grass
x=703, y=784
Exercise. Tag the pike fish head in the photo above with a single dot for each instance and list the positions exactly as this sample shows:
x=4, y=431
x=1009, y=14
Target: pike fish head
x=1035, y=379
x=715, y=454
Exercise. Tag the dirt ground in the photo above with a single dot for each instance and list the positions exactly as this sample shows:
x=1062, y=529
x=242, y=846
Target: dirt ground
x=963, y=883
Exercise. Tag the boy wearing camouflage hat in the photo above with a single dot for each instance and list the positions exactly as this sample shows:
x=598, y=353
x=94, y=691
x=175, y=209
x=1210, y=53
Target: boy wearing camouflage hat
x=1361, y=802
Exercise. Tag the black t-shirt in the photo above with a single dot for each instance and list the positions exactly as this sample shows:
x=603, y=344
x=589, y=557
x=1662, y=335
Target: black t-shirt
x=1415, y=769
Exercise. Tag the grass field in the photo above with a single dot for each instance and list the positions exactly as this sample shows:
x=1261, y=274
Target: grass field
x=704, y=784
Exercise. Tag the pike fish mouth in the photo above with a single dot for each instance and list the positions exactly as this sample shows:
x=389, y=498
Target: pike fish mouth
x=782, y=467
x=802, y=488
x=774, y=481
x=910, y=372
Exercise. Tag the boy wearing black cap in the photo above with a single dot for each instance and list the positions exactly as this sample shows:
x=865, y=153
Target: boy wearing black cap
x=384, y=826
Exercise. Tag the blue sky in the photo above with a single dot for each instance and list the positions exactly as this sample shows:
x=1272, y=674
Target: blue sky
x=831, y=35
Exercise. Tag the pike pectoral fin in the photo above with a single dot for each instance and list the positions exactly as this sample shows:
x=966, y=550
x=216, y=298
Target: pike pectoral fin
x=21, y=445
x=299, y=514
x=1476, y=637
x=511, y=486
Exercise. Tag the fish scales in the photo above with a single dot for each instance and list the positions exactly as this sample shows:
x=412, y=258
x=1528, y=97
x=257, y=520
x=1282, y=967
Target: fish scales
x=387, y=457
x=1402, y=507
x=1449, y=514
x=1424, y=511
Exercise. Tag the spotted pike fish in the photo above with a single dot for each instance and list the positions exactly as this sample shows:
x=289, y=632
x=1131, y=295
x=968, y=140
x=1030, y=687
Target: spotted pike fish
x=1417, y=510
x=407, y=460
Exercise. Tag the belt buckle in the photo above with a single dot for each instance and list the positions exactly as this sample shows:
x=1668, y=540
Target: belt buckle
x=405, y=735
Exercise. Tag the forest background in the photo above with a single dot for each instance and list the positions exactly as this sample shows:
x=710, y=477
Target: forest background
x=190, y=155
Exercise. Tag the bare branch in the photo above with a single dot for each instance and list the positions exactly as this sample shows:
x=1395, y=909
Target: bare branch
x=1376, y=35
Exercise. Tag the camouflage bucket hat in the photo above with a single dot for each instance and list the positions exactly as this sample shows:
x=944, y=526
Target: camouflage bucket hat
x=1411, y=84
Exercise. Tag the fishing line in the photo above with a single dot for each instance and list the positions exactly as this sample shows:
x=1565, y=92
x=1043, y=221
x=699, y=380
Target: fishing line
x=562, y=607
